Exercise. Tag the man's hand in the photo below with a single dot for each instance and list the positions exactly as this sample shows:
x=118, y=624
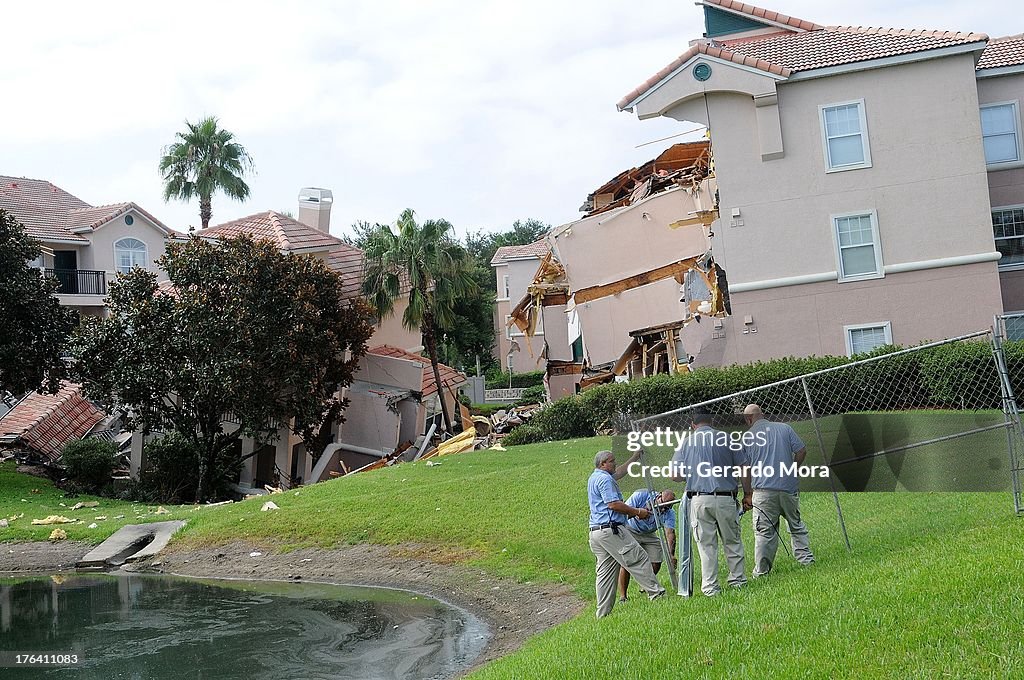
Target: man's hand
x=643, y=513
x=748, y=503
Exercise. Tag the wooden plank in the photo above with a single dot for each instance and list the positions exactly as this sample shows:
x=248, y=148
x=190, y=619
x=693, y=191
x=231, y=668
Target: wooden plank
x=635, y=281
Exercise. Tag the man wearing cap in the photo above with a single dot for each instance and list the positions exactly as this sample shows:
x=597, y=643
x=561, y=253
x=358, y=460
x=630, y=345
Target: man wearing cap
x=774, y=444
x=645, y=531
x=713, y=470
x=611, y=543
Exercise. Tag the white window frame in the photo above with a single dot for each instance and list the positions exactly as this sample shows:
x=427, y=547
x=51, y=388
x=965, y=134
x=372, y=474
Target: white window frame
x=504, y=286
x=508, y=328
x=866, y=163
x=145, y=254
x=1019, y=160
x=879, y=266
x=886, y=326
x=995, y=239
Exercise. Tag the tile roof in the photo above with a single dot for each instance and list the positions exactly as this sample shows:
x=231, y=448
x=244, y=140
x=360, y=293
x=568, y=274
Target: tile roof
x=784, y=53
x=284, y=232
x=449, y=376
x=536, y=249
x=766, y=14
x=1006, y=51
x=46, y=422
x=48, y=212
x=349, y=261
x=40, y=206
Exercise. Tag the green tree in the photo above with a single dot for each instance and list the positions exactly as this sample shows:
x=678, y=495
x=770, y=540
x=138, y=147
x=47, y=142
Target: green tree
x=244, y=330
x=33, y=325
x=205, y=159
x=482, y=245
x=439, y=272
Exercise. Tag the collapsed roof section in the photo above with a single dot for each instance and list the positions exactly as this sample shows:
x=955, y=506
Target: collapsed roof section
x=44, y=423
x=640, y=259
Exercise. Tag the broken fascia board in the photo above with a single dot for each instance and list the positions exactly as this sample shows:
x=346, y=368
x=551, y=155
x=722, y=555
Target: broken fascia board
x=591, y=250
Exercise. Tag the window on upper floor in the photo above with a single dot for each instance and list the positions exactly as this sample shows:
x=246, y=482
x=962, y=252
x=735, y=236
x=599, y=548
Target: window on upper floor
x=858, y=250
x=844, y=131
x=1008, y=230
x=866, y=337
x=504, y=287
x=508, y=328
x=129, y=253
x=1000, y=133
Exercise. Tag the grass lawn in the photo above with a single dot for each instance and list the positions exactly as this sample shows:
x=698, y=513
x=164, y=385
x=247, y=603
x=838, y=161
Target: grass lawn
x=933, y=586
x=24, y=498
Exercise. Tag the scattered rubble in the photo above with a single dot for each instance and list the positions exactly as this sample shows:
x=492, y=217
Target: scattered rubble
x=53, y=519
x=58, y=535
x=269, y=505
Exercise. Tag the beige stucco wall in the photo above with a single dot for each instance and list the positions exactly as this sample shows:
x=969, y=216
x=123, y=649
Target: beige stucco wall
x=390, y=331
x=100, y=253
x=809, y=319
x=520, y=273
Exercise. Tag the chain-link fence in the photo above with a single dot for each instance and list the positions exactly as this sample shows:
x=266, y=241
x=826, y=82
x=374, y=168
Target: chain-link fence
x=936, y=417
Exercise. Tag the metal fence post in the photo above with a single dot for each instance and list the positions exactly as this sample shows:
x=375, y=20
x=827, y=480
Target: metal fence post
x=821, y=446
x=1011, y=413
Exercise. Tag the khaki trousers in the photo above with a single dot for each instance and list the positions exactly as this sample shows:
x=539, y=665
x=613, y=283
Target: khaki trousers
x=714, y=516
x=620, y=550
x=769, y=505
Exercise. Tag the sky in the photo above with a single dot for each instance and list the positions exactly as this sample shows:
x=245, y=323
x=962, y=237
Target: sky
x=478, y=112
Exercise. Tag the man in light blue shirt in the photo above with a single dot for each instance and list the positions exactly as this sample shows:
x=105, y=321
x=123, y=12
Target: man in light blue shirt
x=645, y=531
x=713, y=468
x=775, y=445
x=612, y=545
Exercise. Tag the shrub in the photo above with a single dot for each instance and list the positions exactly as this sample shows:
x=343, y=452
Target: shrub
x=564, y=419
x=498, y=380
x=532, y=395
x=89, y=463
x=527, y=433
x=171, y=472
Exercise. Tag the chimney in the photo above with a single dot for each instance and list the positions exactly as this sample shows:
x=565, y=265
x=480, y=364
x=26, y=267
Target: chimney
x=315, y=207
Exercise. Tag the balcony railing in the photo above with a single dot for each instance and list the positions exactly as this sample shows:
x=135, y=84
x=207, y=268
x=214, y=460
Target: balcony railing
x=80, y=281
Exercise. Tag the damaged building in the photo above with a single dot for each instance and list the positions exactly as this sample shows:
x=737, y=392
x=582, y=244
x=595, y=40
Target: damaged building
x=634, y=282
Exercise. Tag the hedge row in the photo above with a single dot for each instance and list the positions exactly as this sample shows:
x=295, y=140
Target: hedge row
x=499, y=380
x=958, y=376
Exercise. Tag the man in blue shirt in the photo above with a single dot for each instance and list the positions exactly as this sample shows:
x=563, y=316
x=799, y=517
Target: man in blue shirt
x=612, y=545
x=776, y=494
x=711, y=466
x=645, y=531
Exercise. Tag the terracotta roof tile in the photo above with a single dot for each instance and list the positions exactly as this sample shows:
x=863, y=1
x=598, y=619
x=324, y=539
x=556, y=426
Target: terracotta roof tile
x=46, y=422
x=786, y=53
x=449, y=376
x=1006, y=51
x=284, y=232
x=40, y=206
x=536, y=249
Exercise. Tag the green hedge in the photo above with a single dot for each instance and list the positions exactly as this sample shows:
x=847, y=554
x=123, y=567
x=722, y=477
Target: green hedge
x=499, y=381
x=532, y=395
x=954, y=376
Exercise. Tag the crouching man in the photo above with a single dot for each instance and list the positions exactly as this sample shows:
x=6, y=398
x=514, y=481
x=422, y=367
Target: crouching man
x=610, y=541
x=645, y=531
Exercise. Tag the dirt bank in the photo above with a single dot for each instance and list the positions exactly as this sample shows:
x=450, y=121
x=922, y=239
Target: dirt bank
x=514, y=611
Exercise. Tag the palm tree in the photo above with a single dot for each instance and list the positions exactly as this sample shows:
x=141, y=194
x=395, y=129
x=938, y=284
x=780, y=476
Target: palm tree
x=205, y=159
x=438, y=270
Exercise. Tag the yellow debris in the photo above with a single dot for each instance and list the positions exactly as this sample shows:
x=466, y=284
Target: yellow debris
x=58, y=535
x=54, y=519
x=161, y=510
x=457, y=444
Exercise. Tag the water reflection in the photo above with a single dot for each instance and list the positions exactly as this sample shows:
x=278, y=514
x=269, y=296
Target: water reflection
x=143, y=626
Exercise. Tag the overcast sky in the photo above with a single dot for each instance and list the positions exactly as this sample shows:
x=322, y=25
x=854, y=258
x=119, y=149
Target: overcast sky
x=480, y=112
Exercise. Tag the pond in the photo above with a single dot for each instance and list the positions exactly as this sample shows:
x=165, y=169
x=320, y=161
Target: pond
x=151, y=626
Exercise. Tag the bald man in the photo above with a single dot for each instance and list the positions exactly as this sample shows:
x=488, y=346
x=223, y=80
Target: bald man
x=777, y=495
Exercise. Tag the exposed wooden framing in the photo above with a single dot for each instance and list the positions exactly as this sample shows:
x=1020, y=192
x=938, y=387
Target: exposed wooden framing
x=554, y=299
x=670, y=345
x=635, y=281
x=704, y=217
x=564, y=368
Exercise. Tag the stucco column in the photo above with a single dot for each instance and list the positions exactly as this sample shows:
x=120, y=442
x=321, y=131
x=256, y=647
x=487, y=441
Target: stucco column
x=249, y=464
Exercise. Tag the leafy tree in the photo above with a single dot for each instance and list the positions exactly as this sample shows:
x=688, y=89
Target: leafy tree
x=439, y=271
x=482, y=245
x=33, y=325
x=244, y=330
x=361, y=233
x=204, y=160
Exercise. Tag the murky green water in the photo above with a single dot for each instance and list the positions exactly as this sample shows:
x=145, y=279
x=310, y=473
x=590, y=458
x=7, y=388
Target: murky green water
x=143, y=626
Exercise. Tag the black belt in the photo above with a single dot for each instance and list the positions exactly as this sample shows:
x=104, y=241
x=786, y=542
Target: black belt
x=691, y=494
x=607, y=525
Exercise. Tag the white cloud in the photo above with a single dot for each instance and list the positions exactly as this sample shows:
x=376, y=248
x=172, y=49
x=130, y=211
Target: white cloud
x=479, y=112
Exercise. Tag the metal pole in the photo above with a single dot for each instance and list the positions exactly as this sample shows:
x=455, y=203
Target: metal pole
x=662, y=538
x=1011, y=414
x=821, y=446
x=685, y=548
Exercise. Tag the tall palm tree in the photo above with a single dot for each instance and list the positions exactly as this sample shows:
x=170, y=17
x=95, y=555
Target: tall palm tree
x=439, y=272
x=205, y=159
